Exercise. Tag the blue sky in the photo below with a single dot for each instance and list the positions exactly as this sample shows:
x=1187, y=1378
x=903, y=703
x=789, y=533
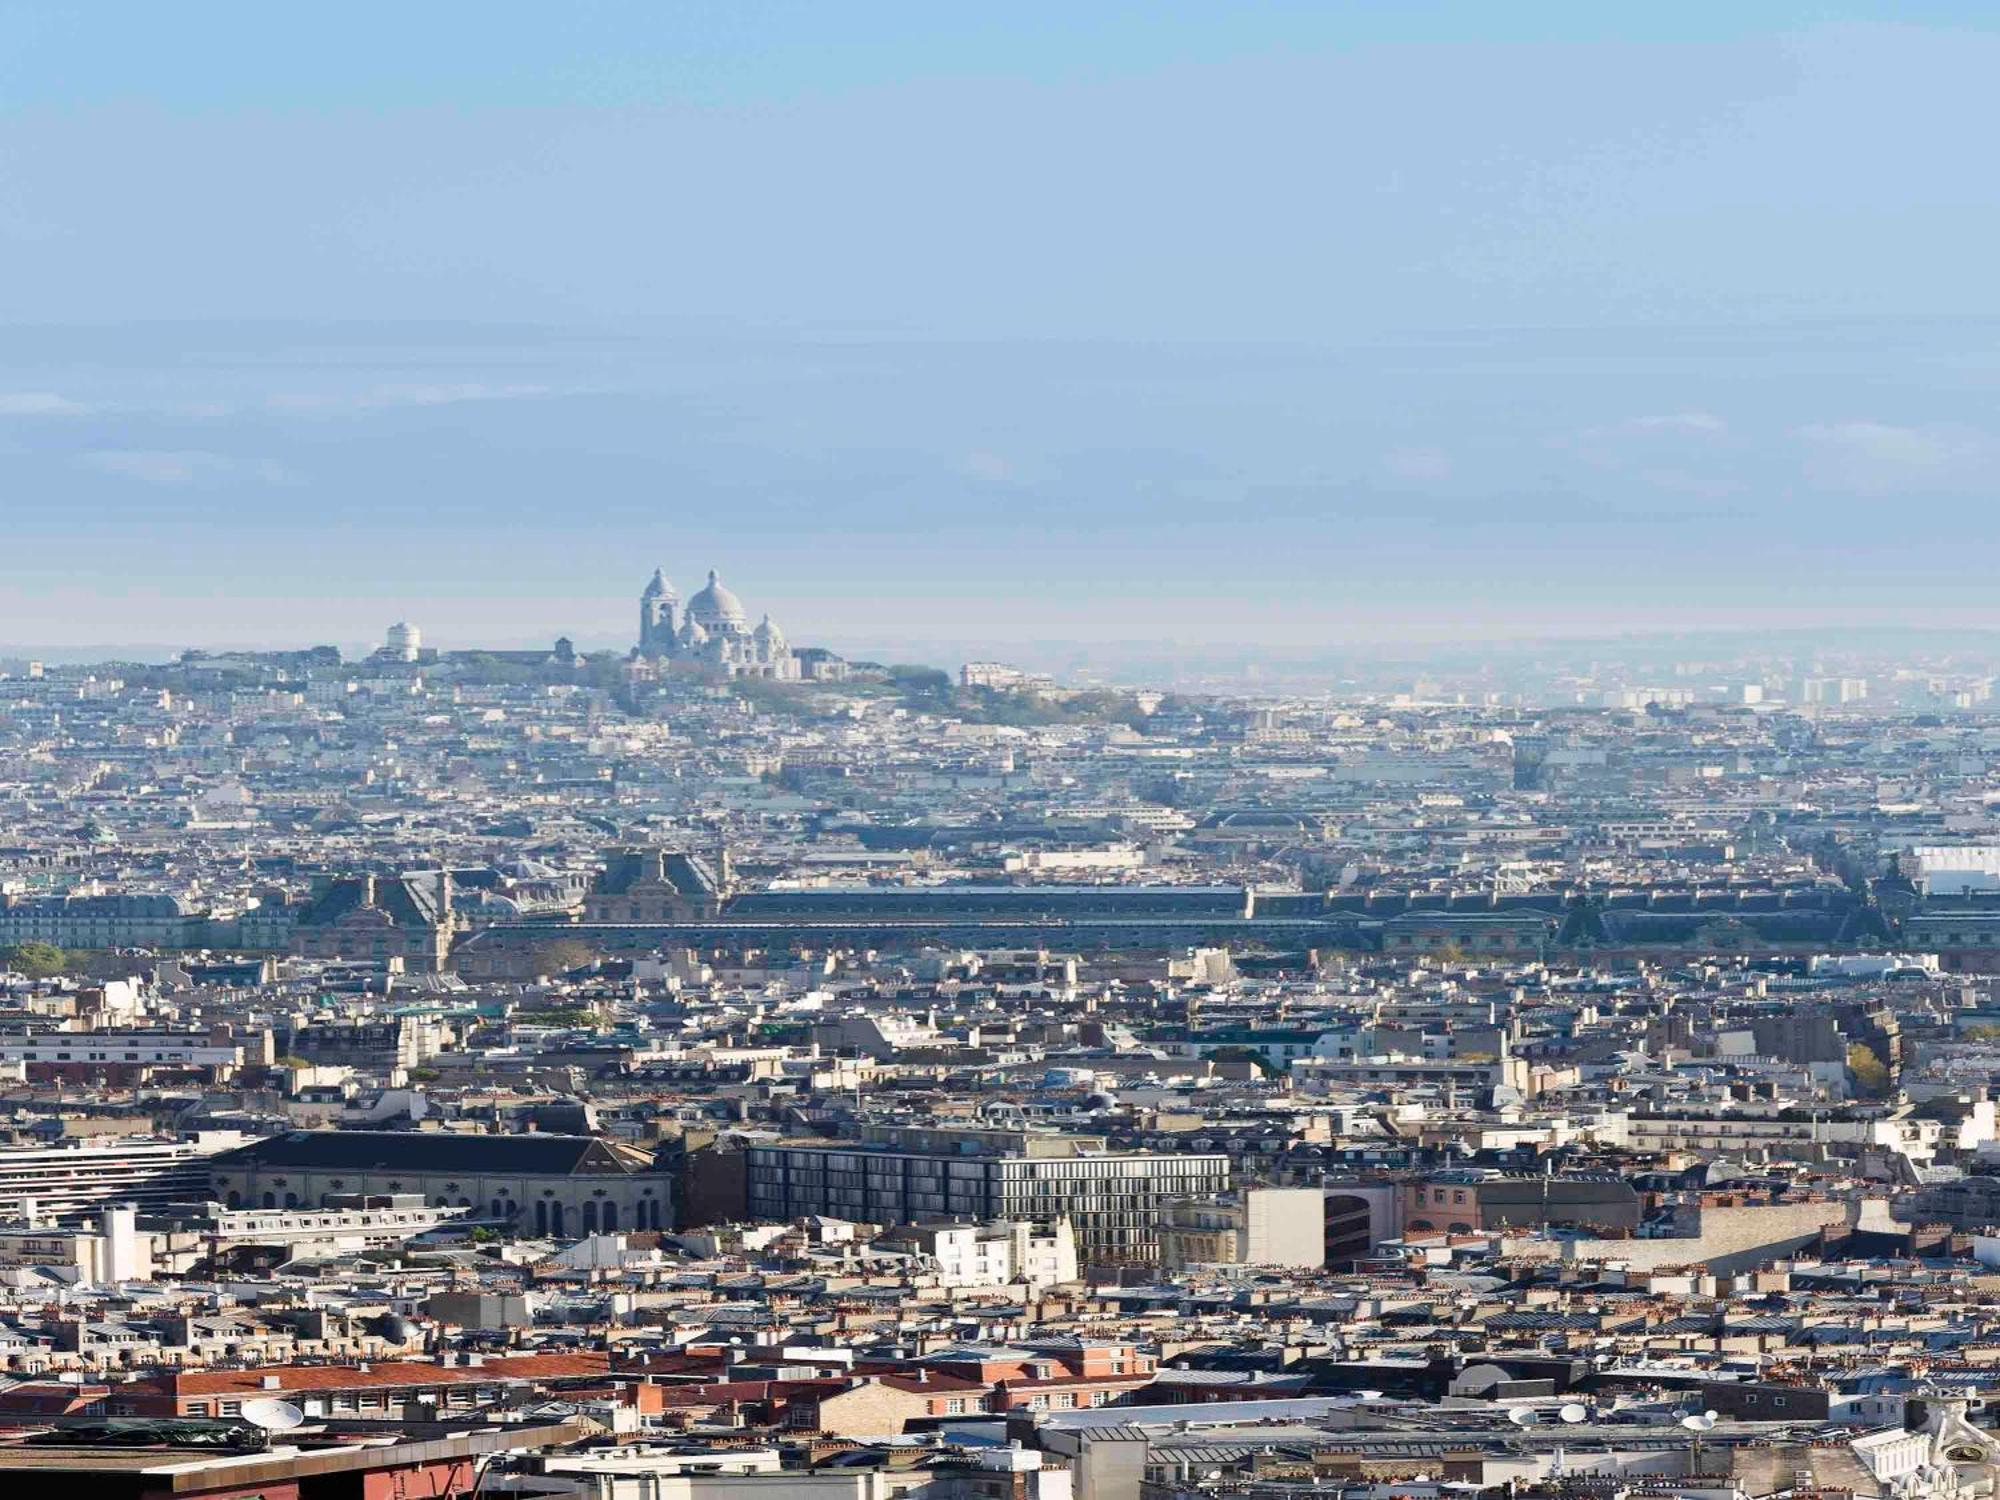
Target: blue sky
x=1266, y=322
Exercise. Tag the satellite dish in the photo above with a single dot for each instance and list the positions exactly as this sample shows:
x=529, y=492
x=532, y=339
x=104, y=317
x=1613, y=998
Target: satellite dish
x=1699, y=1422
x=272, y=1414
x=1573, y=1411
x=1520, y=1416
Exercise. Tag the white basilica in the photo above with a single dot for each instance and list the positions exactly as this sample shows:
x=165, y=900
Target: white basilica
x=713, y=632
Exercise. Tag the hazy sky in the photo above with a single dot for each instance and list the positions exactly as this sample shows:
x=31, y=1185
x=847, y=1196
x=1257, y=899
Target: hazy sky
x=1241, y=322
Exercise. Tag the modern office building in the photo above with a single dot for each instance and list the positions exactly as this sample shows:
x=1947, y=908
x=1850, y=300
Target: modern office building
x=1114, y=1200
x=67, y=1182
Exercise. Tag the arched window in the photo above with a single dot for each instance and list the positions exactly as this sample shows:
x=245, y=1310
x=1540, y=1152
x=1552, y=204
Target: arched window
x=498, y=1212
x=235, y=1198
x=270, y=1200
x=291, y=1200
x=590, y=1217
x=610, y=1217
x=556, y=1220
x=541, y=1218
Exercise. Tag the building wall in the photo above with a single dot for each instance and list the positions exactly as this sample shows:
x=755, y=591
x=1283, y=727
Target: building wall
x=1730, y=1239
x=1442, y=1208
x=1284, y=1227
x=870, y=1408
x=559, y=1205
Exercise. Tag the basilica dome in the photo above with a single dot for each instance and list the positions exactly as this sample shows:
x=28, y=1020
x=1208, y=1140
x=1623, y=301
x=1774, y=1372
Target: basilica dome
x=715, y=608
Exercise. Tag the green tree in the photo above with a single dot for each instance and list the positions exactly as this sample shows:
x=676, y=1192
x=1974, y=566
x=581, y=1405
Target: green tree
x=1871, y=1074
x=560, y=956
x=563, y=1016
x=36, y=960
x=920, y=682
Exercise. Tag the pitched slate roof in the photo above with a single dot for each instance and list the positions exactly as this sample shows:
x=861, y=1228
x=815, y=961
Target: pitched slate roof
x=418, y=900
x=420, y=1151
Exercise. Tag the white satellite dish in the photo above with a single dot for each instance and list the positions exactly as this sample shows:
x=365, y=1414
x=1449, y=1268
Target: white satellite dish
x=1573, y=1411
x=1699, y=1422
x=272, y=1414
x=1520, y=1416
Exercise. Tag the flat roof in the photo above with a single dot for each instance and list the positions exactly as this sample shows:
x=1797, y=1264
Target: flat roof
x=188, y=1469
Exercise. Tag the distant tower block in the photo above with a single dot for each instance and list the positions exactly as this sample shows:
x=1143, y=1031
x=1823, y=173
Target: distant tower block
x=403, y=643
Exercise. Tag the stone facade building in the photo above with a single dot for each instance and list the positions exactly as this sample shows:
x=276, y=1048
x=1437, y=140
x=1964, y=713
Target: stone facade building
x=380, y=917
x=543, y=1184
x=657, y=885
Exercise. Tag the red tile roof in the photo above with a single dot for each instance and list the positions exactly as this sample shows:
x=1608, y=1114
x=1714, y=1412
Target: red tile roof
x=381, y=1375
x=53, y=1398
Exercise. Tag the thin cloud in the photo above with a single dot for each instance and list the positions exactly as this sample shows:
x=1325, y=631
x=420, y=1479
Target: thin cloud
x=1679, y=421
x=990, y=467
x=1417, y=465
x=1699, y=486
x=180, y=466
x=1873, y=458
x=1660, y=442
x=1604, y=441
x=39, y=404
x=389, y=396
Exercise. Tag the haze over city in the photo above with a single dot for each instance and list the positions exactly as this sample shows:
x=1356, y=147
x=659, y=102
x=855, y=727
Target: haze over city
x=1294, y=325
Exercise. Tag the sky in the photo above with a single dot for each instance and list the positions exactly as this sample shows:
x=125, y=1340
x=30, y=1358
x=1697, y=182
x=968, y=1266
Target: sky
x=1249, y=323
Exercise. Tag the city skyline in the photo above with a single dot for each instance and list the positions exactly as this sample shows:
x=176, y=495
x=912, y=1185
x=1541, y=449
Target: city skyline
x=912, y=751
